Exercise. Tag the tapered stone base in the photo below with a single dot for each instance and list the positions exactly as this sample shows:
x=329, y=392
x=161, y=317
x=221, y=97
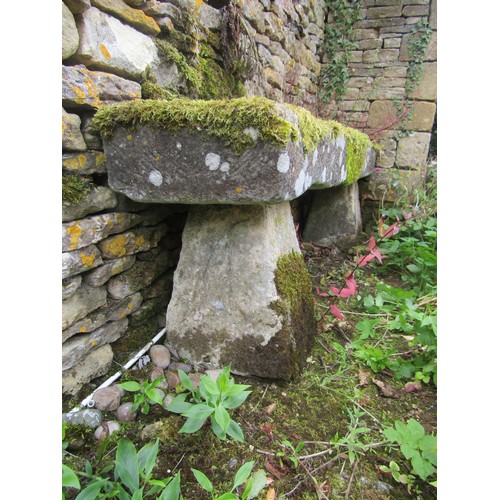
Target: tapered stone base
x=334, y=217
x=242, y=295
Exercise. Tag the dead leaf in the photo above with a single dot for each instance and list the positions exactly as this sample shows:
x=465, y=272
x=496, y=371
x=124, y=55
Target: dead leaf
x=385, y=389
x=271, y=494
x=364, y=377
x=274, y=469
x=270, y=408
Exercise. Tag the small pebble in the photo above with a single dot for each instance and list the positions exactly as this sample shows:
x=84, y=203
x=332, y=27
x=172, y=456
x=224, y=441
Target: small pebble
x=180, y=366
x=106, y=429
x=173, y=379
x=108, y=398
x=168, y=399
x=88, y=417
x=213, y=374
x=158, y=372
x=124, y=413
x=195, y=379
x=160, y=356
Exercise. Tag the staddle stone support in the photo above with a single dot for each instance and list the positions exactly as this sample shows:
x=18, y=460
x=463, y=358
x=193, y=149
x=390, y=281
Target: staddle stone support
x=334, y=217
x=231, y=302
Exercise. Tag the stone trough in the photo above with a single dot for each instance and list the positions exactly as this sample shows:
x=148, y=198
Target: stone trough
x=241, y=290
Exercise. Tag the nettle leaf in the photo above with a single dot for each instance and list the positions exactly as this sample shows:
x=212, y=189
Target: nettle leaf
x=209, y=385
x=173, y=489
x=92, y=490
x=428, y=445
x=223, y=378
x=258, y=484
x=217, y=429
x=205, y=483
x=422, y=467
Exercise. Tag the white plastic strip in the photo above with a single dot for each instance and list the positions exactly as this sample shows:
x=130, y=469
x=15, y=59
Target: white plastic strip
x=88, y=401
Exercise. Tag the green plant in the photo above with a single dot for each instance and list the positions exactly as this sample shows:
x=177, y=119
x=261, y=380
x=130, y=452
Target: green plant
x=148, y=393
x=418, y=42
x=211, y=399
x=256, y=482
x=352, y=440
x=293, y=456
x=416, y=446
x=69, y=480
x=74, y=188
x=339, y=41
x=131, y=476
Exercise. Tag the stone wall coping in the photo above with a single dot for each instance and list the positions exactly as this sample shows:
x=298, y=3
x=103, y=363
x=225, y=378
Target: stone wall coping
x=234, y=151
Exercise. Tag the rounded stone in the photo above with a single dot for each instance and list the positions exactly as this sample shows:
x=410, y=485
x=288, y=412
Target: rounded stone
x=88, y=417
x=173, y=379
x=180, y=366
x=106, y=429
x=160, y=356
x=108, y=398
x=124, y=413
x=195, y=379
x=158, y=372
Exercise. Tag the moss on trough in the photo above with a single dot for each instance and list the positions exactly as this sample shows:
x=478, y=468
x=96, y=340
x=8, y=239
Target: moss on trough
x=230, y=121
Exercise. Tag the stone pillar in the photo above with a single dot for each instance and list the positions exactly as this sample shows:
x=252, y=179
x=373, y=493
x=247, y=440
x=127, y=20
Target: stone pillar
x=334, y=217
x=241, y=293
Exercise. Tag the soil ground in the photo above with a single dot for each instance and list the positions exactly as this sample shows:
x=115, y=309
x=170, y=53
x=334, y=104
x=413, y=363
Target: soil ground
x=311, y=410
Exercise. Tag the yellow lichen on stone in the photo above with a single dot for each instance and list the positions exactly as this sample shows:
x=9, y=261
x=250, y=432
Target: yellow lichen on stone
x=139, y=241
x=100, y=159
x=74, y=232
x=104, y=50
x=115, y=246
x=83, y=329
x=87, y=260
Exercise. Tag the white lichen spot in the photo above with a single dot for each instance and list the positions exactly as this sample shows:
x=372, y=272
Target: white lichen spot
x=219, y=305
x=225, y=167
x=323, y=175
x=212, y=161
x=252, y=132
x=178, y=145
x=283, y=164
x=155, y=178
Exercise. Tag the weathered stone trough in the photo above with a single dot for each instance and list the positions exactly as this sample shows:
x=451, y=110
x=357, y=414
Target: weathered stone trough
x=241, y=290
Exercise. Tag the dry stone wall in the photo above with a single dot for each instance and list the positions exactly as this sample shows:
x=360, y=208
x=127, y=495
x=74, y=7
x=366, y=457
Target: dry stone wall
x=119, y=255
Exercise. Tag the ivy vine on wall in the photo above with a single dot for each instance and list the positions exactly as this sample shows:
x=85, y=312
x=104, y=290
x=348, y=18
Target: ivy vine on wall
x=341, y=16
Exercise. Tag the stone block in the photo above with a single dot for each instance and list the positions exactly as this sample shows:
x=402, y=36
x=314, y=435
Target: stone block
x=84, y=232
x=131, y=242
x=392, y=43
x=101, y=274
x=74, y=349
x=139, y=276
x=109, y=45
x=97, y=199
x=115, y=310
x=422, y=119
x=415, y=10
x=70, y=286
x=134, y=17
x=370, y=44
x=85, y=163
x=95, y=364
x=82, y=88
x=70, y=37
x=84, y=301
x=413, y=150
x=79, y=261
x=334, y=218
x=77, y=6
x=391, y=184
x=381, y=114
x=252, y=252
x=430, y=53
x=383, y=12
x=152, y=164
x=72, y=139
x=433, y=15
x=426, y=90
x=382, y=55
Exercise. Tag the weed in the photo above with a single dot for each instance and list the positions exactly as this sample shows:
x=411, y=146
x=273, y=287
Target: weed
x=211, y=399
x=254, y=484
x=148, y=393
